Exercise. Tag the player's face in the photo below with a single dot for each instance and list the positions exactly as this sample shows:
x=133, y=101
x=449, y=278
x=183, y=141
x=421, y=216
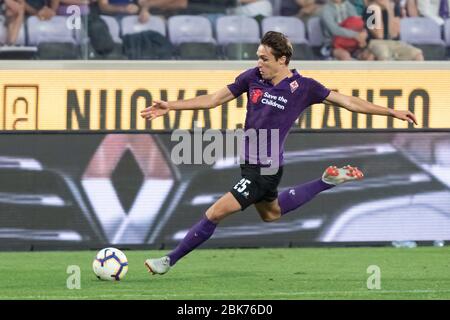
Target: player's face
x=268, y=66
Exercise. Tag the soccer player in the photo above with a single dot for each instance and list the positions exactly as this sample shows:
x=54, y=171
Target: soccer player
x=270, y=79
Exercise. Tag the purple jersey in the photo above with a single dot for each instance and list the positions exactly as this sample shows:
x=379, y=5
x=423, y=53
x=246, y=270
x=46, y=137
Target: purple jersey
x=275, y=107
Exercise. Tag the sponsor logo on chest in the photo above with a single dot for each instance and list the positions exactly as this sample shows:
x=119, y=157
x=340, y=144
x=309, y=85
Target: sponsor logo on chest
x=259, y=96
x=255, y=95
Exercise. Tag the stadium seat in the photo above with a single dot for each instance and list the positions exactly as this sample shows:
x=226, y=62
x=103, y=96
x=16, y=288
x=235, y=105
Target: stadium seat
x=237, y=29
x=114, y=29
x=53, y=39
x=186, y=28
x=447, y=32
x=425, y=34
x=130, y=24
x=133, y=29
x=315, y=35
x=193, y=37
x=239, y=37
x=87, y=50
x=276, y=6
x=53, y=30
x=447, y=36
x=294, y=29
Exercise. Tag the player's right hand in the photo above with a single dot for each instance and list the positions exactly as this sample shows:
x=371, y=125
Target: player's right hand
x=157, y=109
x=405, y=116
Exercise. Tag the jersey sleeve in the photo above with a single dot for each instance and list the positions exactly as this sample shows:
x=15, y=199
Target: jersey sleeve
x=317, y=92
x=241, y=83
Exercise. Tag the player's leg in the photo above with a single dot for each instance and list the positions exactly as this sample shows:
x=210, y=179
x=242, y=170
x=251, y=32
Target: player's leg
x=198, y=234
x=244, y=193
x=204, y=229
x=269, y=211
x=292, y=198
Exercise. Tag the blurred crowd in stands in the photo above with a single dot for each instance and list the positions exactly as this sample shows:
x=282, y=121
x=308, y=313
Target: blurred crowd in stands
x=224, y=29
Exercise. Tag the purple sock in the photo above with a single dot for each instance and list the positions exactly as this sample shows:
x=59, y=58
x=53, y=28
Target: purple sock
x=293, y=198
x=198, y=234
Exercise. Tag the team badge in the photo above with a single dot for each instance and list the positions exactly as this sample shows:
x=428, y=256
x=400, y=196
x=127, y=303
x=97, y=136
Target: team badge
x=294, y=86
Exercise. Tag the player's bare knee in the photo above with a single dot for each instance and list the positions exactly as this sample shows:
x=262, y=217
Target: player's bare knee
x=214, y=214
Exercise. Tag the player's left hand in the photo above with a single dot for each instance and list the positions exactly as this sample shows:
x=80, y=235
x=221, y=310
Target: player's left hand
x=405, y=116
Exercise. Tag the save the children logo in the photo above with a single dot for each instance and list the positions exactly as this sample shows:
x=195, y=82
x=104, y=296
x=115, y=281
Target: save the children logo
x=256, y=95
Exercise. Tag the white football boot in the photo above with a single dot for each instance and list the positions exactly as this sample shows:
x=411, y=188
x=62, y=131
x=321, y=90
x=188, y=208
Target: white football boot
x=158, y=266
x=334, y=175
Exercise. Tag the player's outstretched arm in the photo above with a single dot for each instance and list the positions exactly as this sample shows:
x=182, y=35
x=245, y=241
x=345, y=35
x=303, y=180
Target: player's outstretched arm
x=356, y=104
x=160, y=108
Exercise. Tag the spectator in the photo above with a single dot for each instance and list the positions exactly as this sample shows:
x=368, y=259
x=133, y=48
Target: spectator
x=384, y=33
x=438, y=10
x=333, y=14
x=303, y=9
x=43, y=9
x=167, y=8
x=405, y=8
x=14, y=12
x=360, y=6
x=253, y=8
x=125, y=7
x=213, y=7
x=308, y=9
x=288, y=8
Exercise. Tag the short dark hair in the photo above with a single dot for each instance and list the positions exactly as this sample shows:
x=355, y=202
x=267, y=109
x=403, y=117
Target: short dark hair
x=279, y=43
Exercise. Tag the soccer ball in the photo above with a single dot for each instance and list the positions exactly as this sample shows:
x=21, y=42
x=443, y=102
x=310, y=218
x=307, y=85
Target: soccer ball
x=110, y=264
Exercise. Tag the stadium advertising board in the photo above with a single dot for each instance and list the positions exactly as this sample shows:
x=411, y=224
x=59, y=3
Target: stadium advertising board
x=124, y=189
x=111, y=100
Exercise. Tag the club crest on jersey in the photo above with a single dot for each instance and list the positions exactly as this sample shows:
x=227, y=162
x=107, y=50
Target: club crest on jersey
x=294, y=86
x=256, y=95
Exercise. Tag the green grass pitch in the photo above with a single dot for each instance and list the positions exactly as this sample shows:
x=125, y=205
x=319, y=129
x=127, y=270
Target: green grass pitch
x=227, y=274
